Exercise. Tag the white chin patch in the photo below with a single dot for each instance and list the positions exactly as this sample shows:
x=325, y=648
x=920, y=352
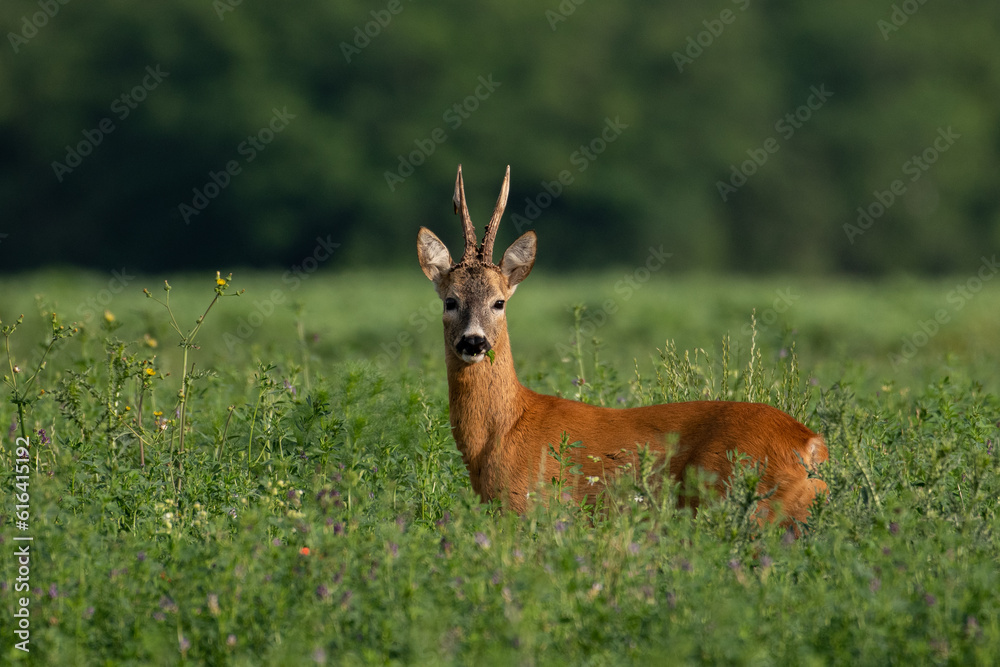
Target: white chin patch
x=473, y=359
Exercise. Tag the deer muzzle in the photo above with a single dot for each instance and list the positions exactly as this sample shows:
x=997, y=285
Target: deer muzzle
x=472, y=348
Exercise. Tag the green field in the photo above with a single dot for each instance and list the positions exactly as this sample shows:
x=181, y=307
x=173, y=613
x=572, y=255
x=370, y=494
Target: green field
x=314, y=508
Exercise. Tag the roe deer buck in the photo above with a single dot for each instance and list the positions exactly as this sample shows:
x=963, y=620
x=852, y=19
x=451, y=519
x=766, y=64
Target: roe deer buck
x=504, y=429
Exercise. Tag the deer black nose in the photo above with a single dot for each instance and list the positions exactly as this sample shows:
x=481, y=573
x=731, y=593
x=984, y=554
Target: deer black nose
x=472, y=345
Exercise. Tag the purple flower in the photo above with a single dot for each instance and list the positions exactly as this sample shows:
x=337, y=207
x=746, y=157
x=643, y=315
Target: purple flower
x=560, y=527
x=893, y=527
x=184, y=644
x=930, y=600
x=53, y=591
x=44, y=438
x=482, y=540
x=322, y=592
x=289, y=387
x=393, y=549
x=734, y=565
x=766, y=561
x=633, y=548
x=141, y=556
x=875, y=584
x=338, y=528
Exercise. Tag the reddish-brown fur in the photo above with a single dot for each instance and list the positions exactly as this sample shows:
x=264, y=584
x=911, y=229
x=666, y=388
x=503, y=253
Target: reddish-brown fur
x=504, y=429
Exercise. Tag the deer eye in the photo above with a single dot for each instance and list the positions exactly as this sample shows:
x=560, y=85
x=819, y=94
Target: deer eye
x=450, y=304
x=498, y=304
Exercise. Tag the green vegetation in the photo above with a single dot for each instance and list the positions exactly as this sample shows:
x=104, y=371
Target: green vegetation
x=741, y=135
x=318, y=511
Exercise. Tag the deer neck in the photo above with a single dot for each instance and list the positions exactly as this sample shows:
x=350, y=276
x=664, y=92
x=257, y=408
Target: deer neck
x=483, y=404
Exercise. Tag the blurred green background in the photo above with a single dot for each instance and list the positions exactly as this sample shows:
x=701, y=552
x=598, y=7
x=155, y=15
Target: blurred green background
x=740, y=136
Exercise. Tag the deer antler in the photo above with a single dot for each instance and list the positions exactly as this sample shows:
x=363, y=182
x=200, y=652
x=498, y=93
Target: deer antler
x=462, y=207
x=486, y=254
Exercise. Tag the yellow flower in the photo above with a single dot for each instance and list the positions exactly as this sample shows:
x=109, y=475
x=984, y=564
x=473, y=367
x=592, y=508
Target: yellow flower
x=150, y=371
x=109, y=316
x=149, y=340
x=219, y=280
x=157, y=413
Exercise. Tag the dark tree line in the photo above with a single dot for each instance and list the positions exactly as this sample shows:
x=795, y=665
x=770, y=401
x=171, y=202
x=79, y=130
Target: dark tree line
x=788, y=136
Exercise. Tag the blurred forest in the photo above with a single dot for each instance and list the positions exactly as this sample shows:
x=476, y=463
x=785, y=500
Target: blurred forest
x=852, y=137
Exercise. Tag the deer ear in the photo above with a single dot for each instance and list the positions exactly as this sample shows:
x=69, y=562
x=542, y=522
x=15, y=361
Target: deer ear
x=435, y=260
x=519, y=258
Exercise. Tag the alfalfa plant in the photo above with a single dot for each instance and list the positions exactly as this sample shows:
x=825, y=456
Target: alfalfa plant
x=187, y=344
x=20, y=381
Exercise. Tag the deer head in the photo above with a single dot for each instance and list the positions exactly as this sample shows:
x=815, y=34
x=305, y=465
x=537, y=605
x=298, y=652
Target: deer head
x=475, y=290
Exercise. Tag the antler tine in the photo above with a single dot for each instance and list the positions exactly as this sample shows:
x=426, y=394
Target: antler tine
x=462, y=207
x=491, y=229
